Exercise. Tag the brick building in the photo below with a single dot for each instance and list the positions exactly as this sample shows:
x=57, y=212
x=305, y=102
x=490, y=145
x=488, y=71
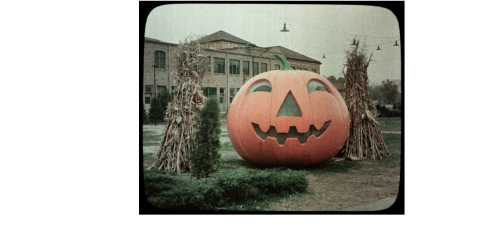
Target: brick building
x=231, y=61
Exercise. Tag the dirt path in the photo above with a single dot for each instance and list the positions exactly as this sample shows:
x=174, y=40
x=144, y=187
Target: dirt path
x=337, y=191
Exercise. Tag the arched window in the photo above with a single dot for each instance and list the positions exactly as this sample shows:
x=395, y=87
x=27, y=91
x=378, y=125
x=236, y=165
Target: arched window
x=160, y=59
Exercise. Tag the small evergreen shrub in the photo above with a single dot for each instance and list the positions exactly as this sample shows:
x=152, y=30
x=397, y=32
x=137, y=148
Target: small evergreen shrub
x=164, y=100
x=156, y=112
x=204, y=155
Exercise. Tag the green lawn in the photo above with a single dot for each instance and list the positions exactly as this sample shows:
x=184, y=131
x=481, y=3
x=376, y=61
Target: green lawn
x=390, y=124
x=332, y=186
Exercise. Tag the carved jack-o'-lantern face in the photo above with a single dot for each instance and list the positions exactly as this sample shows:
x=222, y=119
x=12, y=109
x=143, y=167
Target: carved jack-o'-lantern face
x=288, y=118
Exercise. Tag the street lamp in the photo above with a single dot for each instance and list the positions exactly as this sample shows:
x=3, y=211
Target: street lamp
x=284, y=28
x=154, y=80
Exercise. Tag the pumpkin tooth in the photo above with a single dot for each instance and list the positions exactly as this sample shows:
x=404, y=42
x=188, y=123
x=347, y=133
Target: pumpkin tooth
x=264, y=128
x=282, y=127
x=259, y=132
x=302, y=127
x=318, y=125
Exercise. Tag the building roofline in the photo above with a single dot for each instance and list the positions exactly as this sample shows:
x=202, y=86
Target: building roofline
x=217, y=40
x=257, y=56
x=223, y=36
x=228, y=50
x=155, y=41
x=307, y=61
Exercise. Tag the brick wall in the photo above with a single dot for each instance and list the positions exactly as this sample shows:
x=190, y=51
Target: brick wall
x=158, y=77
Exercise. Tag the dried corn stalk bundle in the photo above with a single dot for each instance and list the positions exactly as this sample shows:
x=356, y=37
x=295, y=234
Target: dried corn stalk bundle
x=365, y=140
x=187, y=100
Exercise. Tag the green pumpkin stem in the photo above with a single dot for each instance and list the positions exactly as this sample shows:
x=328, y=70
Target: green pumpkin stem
x=283, y=61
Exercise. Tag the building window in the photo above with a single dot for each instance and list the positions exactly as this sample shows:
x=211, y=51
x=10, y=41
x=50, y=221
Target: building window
x=305, y=69
x=298, y=68
x=148, y=94
x=263, y=67
x=160, y=59
x=293, y=67
x=255, y=69
x=276, y=67
x=234, y=67
x=314, y=70
x=232, y=93
x=220, y=65
x=209, y=91
x=149, y=89
x=246, y=68
x=161, y=90
x=207, y=64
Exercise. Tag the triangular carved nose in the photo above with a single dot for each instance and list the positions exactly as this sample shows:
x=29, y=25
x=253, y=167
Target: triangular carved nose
x=289, y=107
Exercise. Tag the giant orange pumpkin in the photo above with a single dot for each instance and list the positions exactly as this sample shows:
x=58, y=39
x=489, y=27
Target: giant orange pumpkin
x=288, y=118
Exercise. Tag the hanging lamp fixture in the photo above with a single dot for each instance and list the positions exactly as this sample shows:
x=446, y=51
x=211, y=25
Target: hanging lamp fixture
x=378, y=48
x=324, y=56
x=396, y=44
x=284, y=28
x=353, y=42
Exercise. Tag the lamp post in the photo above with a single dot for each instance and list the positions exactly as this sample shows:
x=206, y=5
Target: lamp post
x=154, y=80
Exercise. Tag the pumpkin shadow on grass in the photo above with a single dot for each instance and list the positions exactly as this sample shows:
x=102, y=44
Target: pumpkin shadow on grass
x=329, y=166
x=332, y=166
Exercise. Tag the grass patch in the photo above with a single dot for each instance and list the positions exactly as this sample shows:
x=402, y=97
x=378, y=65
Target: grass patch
x=333, y=167
x=233, y=163
x=392, y=140
x=390, y=124
x=226, y=146
x=150, y=137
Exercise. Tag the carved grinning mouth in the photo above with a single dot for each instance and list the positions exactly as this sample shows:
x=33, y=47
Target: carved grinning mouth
x=281, y=137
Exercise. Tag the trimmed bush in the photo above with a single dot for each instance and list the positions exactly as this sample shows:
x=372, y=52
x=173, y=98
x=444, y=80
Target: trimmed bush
x=222, y=189
x=173, y=192
x=246, y=184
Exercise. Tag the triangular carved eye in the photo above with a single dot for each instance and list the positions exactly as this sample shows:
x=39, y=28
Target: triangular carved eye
x=314, y=85
x=261, y=86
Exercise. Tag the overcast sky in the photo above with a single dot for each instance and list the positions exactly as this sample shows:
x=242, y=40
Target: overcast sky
x=314, y=30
